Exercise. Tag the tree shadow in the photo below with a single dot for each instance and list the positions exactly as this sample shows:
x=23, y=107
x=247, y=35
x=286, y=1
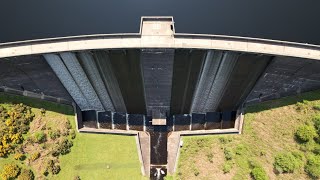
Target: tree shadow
x=6, y=98
x=284, y=101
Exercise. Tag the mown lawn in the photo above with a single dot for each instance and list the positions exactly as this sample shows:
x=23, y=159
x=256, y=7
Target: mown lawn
x=96, y=156
x=269, y=128
x=93, y=156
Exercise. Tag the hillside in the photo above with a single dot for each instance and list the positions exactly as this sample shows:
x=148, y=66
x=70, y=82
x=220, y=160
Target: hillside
x=269, y=130
x=52, y=148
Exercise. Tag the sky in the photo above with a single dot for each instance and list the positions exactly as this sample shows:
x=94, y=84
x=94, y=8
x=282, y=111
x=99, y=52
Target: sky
x=294, y=20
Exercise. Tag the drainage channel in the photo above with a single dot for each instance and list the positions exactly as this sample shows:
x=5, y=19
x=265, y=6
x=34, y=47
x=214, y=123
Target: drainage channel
x=159, y=153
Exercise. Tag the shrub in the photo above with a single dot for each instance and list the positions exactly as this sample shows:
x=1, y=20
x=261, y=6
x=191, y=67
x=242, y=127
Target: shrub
x=286, y=162
x=72, y=134
x=316, y=121
x=10, y=171
x=43, y=111
x=196, y=171
x=313, y=166
x=316, y=150
x=225, y=140
x=52, y=167
x=34, y=156
x=54, y=134
x=77, y=178
x=65, y=146
x=210, y=157
x=302, y=106
x=226, y=168
x=316, y=107
x=26, y=174
x=306, y=133
x=68, y=125
x=258, y=173
x=39, y=137
x=240, y=149
x=19, y=156
x=308, y=146
x=228, y=154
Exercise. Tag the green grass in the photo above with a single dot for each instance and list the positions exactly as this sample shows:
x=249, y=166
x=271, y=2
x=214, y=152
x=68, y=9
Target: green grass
x=93, y=156
x=97, y=156
x=269, y=128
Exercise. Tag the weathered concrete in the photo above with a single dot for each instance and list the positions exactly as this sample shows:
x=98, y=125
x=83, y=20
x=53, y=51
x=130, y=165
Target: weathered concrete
x=154, y=39
x=173, y=151
x=144, y=139
x=67, y=80
x=94, y=77
x=31, y=73
x=79, y=76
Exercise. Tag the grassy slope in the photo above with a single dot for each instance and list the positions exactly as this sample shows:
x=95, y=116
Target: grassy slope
x=268, y=129
x=93, y=156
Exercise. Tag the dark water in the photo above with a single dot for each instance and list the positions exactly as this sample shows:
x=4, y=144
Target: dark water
x=294, y=20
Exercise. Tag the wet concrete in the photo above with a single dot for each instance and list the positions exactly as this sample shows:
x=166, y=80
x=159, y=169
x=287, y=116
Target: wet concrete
x=105, y=120
x=135, y=122
x=120, y=120
x=89, y=119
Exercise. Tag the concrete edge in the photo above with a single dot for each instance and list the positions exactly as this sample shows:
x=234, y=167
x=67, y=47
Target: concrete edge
x=187, y=41
x=109, y=131
x=177, y=157
x=140, y=154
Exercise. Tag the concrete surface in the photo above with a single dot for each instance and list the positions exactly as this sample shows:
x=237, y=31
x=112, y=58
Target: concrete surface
x=157, y=35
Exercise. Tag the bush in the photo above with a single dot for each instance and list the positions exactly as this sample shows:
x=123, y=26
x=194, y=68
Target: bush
x=54, y=134
x=34, y=156
x=225, y=140
x=316, y=107
x=306, y=133
x=10, y=171
x=308, y=146
x=316, y=121
x=65, y=146
x=228, y=154
x=26, y=174
x=68, y=125
x=286, y=162
x=77, y=178
x=52, y=167
x=19, y=156
x=313, y=166
x=240, y=149
x=39, y=137
x=226, y=168
x=43, y=111
x=210, y=157
x=72, y=134
x=258, y=173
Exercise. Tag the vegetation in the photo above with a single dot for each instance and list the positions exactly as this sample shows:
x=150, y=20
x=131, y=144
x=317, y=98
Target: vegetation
x=258, y=173
x=280, y=140
x=48, y=127
x=313, y=166
x=26, y=174
x=10, y=171
x=306, y=133
x=286, y=162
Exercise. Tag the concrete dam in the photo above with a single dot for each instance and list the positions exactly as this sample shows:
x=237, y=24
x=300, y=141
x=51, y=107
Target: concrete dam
x=158, y=84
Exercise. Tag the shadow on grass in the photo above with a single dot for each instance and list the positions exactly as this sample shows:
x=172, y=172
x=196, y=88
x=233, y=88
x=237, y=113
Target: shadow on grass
x=36, y=103
x=285, y=101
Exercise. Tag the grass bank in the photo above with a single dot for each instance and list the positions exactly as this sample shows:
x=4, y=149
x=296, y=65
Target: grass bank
x=93, y=156
x=269, y=128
